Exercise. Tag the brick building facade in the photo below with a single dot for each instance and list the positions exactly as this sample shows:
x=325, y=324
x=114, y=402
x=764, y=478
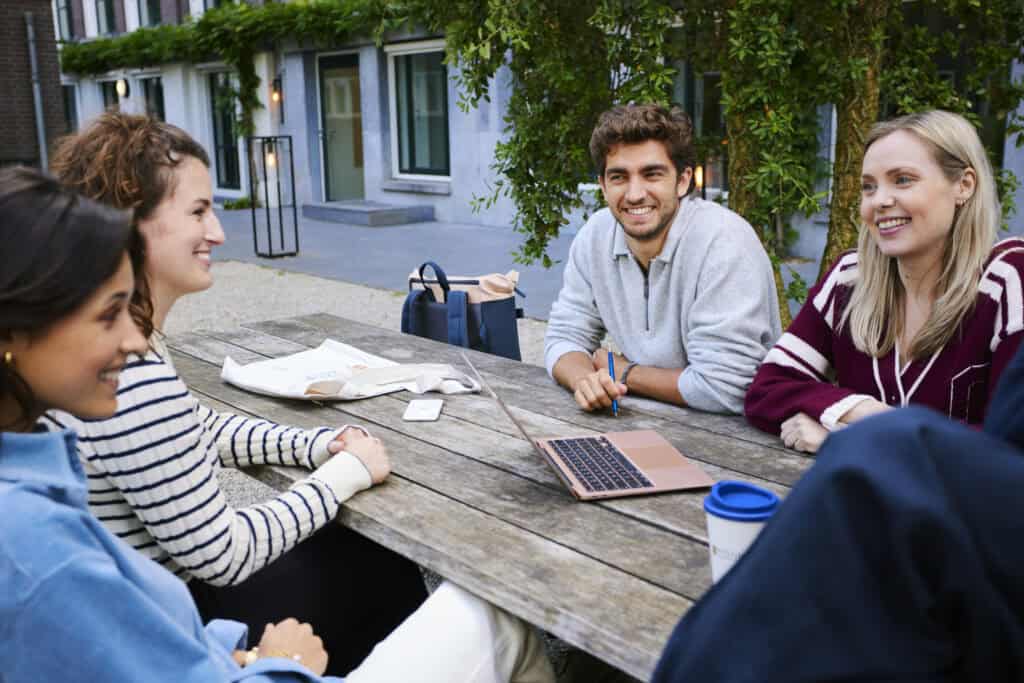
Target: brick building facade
x=18, y=138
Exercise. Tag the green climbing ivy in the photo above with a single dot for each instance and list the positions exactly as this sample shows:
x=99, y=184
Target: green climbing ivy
x=233, y=33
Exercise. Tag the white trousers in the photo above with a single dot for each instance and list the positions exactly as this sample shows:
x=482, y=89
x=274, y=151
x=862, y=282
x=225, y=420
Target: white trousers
x=455, y=637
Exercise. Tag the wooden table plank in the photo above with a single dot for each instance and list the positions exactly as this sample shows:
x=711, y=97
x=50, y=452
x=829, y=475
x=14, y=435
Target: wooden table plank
x=485, y=433
x=549, y=585
x=470, y=500
x=543, y=580
x=646, y=551
x=737, y=453
x=331, y=326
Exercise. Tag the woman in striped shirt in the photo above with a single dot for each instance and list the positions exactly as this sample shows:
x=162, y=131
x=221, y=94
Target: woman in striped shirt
x=926, y=310
x=152, y=467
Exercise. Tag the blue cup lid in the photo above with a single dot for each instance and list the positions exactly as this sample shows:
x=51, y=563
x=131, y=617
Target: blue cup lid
x=740, y=501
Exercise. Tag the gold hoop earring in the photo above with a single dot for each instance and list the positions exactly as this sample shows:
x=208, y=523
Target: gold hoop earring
x=8, y=358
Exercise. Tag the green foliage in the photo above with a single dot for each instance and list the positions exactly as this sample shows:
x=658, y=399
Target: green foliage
x=568, y=61
x=233, y=33
x=796, y=290
x=986, y=36
x=241, y=203
x=770, y=79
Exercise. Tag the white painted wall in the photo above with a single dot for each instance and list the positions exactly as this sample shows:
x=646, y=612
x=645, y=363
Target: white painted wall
x=89, y=14
x=131, y=14
x=53, y=15
x=176, y=103
x=90, y=99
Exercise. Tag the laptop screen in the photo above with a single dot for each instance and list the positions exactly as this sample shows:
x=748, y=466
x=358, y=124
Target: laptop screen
x=504, y=407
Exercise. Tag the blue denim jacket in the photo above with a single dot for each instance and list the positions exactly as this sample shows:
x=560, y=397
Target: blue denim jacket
x=78, y=604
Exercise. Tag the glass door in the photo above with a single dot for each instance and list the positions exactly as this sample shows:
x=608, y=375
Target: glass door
x=341, y=127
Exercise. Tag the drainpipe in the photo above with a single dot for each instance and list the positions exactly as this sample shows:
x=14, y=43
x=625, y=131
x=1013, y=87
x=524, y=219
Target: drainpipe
x=37, y=96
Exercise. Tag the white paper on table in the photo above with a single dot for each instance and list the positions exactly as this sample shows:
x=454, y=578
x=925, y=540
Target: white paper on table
x=337, y=371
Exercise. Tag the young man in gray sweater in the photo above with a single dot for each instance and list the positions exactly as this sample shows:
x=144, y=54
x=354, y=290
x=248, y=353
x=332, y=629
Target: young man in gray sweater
x=683, y=286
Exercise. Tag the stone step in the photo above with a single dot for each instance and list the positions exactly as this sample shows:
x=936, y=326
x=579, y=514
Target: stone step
x=363, y=212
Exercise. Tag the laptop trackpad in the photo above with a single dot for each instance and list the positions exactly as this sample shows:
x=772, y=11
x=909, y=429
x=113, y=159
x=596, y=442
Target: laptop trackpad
x=666, y=466
x=647, y=449
x=653, y=457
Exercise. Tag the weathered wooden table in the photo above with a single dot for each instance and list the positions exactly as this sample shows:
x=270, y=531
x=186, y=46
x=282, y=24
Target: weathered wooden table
x=470, y=500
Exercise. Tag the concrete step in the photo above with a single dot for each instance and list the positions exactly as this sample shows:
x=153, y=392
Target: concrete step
x=362, y=212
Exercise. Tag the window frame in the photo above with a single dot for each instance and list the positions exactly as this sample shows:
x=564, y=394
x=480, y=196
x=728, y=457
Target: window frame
x=147, y=83
x=144, y=10
x=65, y=20
x=694, y=101
x=72, y=118
x=406, y=49
x=107, y=16
x=112, y=86
x=218, y=145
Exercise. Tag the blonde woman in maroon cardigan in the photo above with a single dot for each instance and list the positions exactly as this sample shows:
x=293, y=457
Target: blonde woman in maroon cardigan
x=926, y=311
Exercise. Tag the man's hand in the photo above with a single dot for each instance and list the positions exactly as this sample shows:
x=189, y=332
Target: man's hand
x=592, y=388
x=803, y=433
x=596, y=390
x=600, y=360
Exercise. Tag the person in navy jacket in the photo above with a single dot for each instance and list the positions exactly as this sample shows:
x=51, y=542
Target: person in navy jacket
x=904, y=565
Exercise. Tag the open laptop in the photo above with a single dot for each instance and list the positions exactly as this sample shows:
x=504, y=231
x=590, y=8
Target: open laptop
x=613, y=464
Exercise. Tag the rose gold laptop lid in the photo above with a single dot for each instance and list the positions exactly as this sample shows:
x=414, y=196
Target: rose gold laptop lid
x=658, y=460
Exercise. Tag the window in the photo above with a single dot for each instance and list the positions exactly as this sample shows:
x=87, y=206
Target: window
x=213, y=4
x=67, y=26
x=110, y=99
x=225, y=141
x=70, y=108
x=149, y=12
x=105, y=20
x=153, y=92
x=419, y=110
x=700, y=94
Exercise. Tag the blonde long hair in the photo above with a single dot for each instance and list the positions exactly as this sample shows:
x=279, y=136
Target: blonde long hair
x=876, y=307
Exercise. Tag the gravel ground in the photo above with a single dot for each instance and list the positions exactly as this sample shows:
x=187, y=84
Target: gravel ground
x=245, y=292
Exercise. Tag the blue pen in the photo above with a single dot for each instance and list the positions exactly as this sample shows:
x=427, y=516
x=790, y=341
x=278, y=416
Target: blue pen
x=611, y=371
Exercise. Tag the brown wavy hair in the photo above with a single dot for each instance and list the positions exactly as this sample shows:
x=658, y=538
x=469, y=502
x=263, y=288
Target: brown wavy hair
x=635, y=123
x=127, y=161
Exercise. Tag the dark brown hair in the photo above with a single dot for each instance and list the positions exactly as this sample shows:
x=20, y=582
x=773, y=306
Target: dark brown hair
x=127, y=161
x=634, y=123
x=60, y=248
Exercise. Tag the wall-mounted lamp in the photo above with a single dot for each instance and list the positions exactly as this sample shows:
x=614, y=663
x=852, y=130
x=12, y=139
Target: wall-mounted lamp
x=121, y=87
x=275, y=91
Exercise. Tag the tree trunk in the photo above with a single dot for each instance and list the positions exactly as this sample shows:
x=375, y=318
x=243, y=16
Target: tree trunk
x=742, y=156
x=856, y=112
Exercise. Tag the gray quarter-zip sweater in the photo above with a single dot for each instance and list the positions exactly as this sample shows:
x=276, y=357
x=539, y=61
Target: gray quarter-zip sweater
x=707, y=304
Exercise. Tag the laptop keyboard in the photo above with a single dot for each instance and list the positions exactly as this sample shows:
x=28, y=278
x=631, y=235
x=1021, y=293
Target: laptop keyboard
x=599, y=465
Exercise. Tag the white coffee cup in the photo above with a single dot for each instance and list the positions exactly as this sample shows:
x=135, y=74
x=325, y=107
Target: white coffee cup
x=736, y=512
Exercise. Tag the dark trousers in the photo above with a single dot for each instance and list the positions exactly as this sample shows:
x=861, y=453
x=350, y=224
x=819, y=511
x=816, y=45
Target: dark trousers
x=898, y=557
x=353, y=592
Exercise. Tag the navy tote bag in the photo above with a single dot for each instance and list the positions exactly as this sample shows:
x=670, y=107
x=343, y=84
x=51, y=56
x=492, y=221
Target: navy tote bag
x=488, y=325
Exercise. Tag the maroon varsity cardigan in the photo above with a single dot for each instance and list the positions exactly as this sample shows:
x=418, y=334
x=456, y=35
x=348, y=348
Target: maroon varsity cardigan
x=816, y=369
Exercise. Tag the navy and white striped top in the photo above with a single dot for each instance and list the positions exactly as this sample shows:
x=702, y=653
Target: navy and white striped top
x=152, y=476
